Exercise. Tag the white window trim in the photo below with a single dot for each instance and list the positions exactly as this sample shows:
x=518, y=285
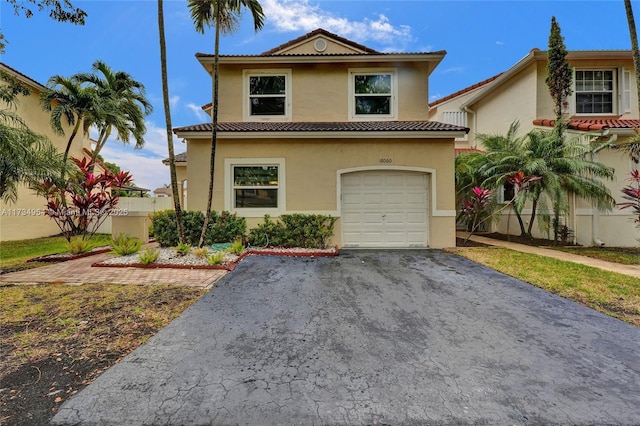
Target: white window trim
x=246, y=107
x=615, y=98
x=230, y=163
x=394, y=95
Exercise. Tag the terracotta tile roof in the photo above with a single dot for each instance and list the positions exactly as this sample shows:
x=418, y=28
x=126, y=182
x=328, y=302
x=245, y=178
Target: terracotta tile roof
x=22, y=76
x=351, y=126
x=467, y=151
x=463, y=91
x=314, y=33
x=179, y=158
x=592, y=124
x=328, y=55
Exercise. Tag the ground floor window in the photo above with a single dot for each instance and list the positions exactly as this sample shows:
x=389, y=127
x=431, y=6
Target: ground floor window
x=255, y=186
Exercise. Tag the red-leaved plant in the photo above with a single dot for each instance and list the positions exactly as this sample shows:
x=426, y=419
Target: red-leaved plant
x=632, y=195
x=477, y=207
x=82, y=203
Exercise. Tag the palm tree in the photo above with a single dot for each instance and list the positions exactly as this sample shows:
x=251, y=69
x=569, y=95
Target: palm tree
x=505, y=155
x=123, y=105
x=68, y=100
x=167, y=116
x=223, y=15
x=25, y=157
x=560, y=170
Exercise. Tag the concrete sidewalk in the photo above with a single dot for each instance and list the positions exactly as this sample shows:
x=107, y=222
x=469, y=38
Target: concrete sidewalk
x=631, y=270
x=80, y=271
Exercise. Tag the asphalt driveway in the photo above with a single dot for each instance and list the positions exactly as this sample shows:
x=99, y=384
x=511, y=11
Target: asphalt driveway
x=373, y=337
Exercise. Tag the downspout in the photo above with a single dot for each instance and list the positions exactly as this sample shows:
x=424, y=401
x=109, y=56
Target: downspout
x=475, y=123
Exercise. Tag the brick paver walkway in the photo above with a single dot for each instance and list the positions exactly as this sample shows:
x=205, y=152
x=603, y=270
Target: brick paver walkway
x=80, y=271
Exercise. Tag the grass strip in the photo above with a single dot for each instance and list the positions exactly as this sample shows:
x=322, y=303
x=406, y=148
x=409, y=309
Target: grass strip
x=623, y=255
x=14, y=255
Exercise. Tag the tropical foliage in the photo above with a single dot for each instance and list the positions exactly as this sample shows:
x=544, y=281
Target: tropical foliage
x=81, y=203
x=106, y=100
x=223, y=15
x=549, y=171
x=631, y=193
x=25, y=156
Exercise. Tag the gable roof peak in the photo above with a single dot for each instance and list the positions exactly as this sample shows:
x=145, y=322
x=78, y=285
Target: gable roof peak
x=278, y=50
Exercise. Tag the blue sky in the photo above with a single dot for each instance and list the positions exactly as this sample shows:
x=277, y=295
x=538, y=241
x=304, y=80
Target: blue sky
x=482, y=38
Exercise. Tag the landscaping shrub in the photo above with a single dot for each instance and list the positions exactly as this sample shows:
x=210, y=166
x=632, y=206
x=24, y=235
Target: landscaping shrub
x=124, y=245
x=148, y=256
x=237, y=247
x=223, y=228
x=215, y=258
x=182, y=249
x=79, y=245
x=294, y=230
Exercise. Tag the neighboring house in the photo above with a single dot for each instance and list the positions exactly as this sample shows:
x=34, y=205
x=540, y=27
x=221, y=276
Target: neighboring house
x=25, y=219
x=181, y=174
x=325, y=125
x=162, y=192
x=604, y=105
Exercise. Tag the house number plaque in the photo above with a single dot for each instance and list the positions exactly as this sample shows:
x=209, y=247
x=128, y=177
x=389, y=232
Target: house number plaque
x=386, y=161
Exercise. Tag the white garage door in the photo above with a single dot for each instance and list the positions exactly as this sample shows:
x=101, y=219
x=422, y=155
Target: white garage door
x=385, y=209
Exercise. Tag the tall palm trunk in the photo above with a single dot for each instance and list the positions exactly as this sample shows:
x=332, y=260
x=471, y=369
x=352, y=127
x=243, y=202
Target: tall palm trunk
x=214, y=125
x=167, y=118
x=74, y=132
x=634, y=146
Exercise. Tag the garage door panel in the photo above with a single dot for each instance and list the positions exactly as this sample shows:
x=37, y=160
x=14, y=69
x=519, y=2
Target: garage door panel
x=416, y=218
x=385, y=209
x=372, y=218
x=372, y=181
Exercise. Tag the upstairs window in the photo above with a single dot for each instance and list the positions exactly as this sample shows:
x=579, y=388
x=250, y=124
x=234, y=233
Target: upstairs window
x=372, y=94
x=267, y=95
x=594, y=92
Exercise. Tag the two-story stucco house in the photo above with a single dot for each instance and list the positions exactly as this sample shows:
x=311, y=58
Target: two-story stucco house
x=604, y=104
x=25, y=219
x=325, y=125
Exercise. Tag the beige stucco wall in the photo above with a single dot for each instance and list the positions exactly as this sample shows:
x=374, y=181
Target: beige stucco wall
x=311, y=173
x=320, y=92
x=25, y=218
x=513, y=100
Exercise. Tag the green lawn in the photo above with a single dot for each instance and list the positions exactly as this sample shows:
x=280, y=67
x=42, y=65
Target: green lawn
x=614, y=294
x=15, y=254
x=624, y=255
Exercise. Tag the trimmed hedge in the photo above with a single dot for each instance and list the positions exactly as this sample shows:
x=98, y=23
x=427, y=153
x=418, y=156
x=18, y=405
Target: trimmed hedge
x=224, y=227
x=293, y=230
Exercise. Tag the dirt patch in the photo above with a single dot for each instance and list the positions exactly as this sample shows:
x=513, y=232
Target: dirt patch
x=56, y=339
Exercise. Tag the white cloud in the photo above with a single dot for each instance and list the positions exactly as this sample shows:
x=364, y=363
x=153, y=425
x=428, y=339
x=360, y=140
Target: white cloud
x=144, y=164
x=197, y=110
x=500, y=43
x=301, y=15
x=174, y=100
x=449, y=70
